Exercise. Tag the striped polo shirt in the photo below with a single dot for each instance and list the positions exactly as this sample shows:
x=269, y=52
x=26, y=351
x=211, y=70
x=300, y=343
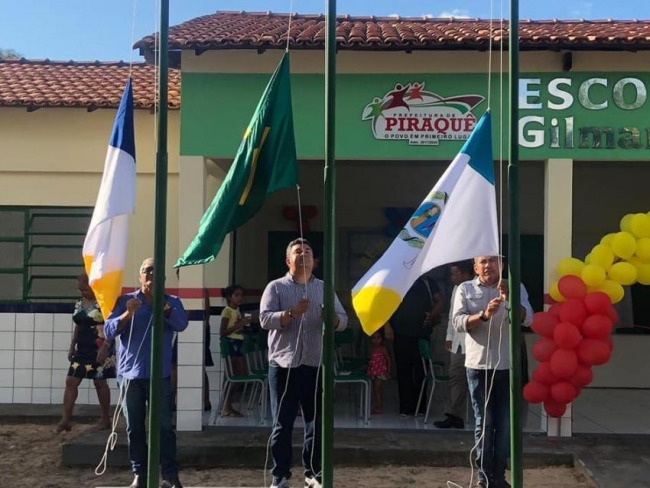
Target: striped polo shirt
x=286, y=349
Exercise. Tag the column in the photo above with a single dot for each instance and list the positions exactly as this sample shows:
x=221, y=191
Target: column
x=191, y=198
x=558, y=215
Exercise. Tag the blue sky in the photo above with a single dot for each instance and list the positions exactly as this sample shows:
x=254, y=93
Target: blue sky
x=85, y=30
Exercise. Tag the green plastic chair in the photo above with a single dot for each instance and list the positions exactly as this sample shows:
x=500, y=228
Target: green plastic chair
x=253, y=379
x=353, y=364
x=430, y=375
x=359, y=378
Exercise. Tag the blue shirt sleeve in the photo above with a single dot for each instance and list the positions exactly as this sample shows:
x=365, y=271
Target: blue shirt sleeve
x=177, y=320
x=113, y=320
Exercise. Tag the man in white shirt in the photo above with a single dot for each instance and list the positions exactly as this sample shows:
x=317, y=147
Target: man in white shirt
x=481, y=310
x=455, y=343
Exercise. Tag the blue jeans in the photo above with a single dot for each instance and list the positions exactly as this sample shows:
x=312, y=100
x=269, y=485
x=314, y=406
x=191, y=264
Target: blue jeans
x=304, y=387
x=493, y=450
x=135, y=411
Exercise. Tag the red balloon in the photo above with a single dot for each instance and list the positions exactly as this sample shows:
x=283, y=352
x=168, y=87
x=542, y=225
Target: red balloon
x=597, y=302
x=543, y=349
x=572, y=287
x=536, y=392
x=564, y=363
x=554, y=409
x=610, y=343
x=543, y=324
x=543, y=374
x=563, y=392
x=597, y=327
x=555, y=310
x=566, y=335
x=582, y=377
x=613, y=315
x=592, y=352
x=573, y=311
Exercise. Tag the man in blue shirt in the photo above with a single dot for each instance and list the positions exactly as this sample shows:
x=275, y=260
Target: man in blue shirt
x=132, y=320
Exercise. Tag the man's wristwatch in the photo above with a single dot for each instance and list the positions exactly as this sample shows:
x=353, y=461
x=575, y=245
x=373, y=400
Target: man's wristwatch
x=290, y=313
x=482, y=316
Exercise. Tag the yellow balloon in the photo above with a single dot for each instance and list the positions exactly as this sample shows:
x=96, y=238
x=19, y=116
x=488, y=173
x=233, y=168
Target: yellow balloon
x=555, y=292
x=613, y=289
x=625, y=223
x=593, y=275
x=588, y=259
x=570, y=266
x=640, y=225
x=602, y=256
x=643, y=274
x=643, y=249
x=635, y=261
x=624, y=245
x=622, y=273
x=607, y=239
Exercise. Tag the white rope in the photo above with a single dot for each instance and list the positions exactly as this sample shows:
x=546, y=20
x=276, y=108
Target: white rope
x=289, y=26
x=299, y=336
x=112, y=437
x=133, y=14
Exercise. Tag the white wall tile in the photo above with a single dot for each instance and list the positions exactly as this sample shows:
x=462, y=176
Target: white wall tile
x=43, y=341
x=60, y=360
x=43, y=322
x=57, y=395
x=92, y=397
x=115, y=394
x=24, y=360
x=41, y=395
x=61, y=341
x=6, y=377
x=7, y=340
x=41, y=378
x=24, y=322
x=62, y=322
x=22, y=395
x=190, y=353
x=189, y=399
x=7, y=322
x=190, y=376
x=58, y=377
x=193, y=333
x=22, y=378
x=7, y=359
x=43, y=360
x=24, y=341
x=6, y=395
x=189, y=421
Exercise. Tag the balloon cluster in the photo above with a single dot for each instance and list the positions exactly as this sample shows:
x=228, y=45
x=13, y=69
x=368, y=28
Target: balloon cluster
x=575, y=335
x=620, y=259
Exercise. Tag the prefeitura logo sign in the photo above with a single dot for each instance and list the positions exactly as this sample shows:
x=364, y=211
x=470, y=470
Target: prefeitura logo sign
x=410, y=113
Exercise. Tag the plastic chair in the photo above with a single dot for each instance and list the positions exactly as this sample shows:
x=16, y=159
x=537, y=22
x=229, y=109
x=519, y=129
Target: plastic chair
x=430, y=375
x=349, y=377
x=253, y=379
x=351, y=363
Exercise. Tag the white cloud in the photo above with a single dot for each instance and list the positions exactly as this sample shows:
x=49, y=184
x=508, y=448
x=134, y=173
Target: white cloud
x=582, y=10
x=457, y=13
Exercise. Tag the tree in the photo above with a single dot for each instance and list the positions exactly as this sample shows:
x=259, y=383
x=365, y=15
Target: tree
x=9, y=54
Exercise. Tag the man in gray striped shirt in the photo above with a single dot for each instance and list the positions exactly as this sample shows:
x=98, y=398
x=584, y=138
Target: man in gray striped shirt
x=291, y=310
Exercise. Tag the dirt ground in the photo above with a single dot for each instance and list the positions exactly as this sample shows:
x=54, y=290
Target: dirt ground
x=30, y=457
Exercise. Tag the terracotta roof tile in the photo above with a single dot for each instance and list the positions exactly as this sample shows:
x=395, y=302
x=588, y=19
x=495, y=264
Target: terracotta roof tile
x=45, y=83
x=254, y=30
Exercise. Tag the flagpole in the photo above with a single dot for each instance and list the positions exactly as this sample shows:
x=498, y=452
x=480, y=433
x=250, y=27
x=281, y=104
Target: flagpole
x=514, y=256
x=328, y=249
x=160, y=234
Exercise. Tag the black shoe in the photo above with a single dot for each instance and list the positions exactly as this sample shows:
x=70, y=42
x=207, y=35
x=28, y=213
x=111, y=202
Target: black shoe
x=451, y=422
x=139, y=481
x=171, y=483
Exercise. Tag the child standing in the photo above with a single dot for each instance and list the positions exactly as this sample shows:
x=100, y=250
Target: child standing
x=232, y=326
x=378, y=369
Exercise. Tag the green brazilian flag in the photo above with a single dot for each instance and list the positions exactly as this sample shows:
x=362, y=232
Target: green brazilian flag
x=265, y=162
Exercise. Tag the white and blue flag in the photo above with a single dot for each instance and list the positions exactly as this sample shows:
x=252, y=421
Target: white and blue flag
x=457, y=220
